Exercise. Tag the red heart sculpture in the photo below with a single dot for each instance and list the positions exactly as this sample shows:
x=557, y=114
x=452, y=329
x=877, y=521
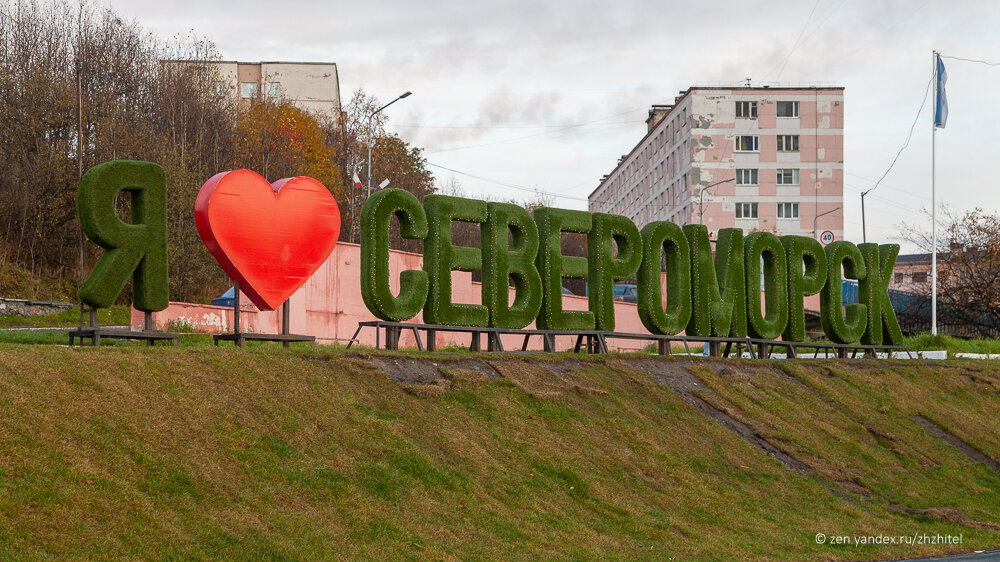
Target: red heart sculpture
x=268, y=237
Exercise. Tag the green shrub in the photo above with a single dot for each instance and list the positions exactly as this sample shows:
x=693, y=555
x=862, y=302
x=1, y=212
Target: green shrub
x=138, y=249
x=501, y=266
x=873, y=292
x=766, y=247
x=441, y=258
x=375, y=291
x=667, y=238
x=718, y=290
x=806, y=273
x=553, y=266
x=846, y=327
x=605, y=268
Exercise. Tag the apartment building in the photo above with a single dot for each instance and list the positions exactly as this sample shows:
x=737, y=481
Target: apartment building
x=755, y=158
x=312, y=86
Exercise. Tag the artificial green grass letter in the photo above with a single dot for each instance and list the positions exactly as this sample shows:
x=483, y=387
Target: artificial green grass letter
x=441, y=258
x=718, y=290
x=375, y=291
x=517, y=264
x=605, y=268
x=842, y=254
x=665, y=237
x=873, y=291
x=139, y=249
x=766, y=247
x=806, y=268
x=553, y=266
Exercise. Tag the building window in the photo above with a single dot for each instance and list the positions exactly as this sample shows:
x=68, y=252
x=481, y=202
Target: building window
x=274, y=89
x=746, y=110
x=248, y=89
x=788, y=143
x=788, y=176
x=219, y=87
x=898, y=277
x=747, y=143
x=788, y=210
x=788, y=108
x=919, y=277
x=746, y=210
x=746, y=177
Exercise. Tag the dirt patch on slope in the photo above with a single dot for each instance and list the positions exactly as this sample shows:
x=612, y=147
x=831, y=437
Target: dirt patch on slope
x=676, y=375
x=966, y=448
x=426, y=371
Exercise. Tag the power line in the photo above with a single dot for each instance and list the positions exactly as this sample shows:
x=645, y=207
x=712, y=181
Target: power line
x=801, y=40
x=971, y=60
x=927, y=91
x=795, y=43
x=887, y=186
x=506, y=184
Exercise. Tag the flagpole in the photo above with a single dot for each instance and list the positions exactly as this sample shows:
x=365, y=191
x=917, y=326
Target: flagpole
x=934, y=129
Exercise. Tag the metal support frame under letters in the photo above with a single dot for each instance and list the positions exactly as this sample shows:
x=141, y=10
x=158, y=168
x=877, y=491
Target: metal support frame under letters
x=595, y=341
x=95, y=332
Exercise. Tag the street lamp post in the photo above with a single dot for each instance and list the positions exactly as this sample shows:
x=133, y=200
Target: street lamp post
x=701, y=198
x=820, y=215
x=373, y=114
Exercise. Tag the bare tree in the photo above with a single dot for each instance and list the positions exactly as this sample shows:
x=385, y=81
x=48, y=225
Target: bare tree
x=968, y=265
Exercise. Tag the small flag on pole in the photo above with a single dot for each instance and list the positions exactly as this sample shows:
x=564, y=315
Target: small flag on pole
x=357, y=181
x=941, y=109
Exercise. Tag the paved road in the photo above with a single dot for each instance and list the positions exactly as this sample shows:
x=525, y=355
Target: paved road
x=978, y=556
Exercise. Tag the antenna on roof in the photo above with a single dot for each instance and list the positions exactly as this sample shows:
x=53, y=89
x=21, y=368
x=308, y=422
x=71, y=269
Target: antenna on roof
x=748, y=82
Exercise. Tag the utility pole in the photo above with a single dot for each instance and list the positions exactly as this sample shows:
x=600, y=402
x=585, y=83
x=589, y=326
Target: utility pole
x=864, y=235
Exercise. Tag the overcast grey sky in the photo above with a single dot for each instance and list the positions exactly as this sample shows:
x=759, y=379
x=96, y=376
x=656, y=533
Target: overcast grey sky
x=547, y=95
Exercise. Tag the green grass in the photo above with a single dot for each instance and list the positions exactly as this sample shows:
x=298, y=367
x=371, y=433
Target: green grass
x=265, y=453
x=952, y=345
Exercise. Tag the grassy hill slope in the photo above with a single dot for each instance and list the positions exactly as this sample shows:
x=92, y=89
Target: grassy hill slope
x=264, y=454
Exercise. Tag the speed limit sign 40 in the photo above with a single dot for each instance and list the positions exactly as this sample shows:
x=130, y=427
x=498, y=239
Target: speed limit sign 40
x=826, y=237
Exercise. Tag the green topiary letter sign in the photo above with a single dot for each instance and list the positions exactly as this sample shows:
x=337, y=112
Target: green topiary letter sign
x=139, y=249
x=806, y=268
x=873, y=291
x=718, y=290
x=441, y=258
x=553, y=266
x=375, y=291
x=765, y=247
x=605, y=268
x=842, y=254
x=502, y=265
x=665, y=237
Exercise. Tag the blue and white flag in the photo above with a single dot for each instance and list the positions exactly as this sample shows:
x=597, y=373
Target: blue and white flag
x=941, y=109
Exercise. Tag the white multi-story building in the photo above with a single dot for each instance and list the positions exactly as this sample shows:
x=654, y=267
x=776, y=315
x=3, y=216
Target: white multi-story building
x=756, y=158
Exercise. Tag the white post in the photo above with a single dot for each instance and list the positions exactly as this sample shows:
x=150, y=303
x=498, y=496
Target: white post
x=934, y=201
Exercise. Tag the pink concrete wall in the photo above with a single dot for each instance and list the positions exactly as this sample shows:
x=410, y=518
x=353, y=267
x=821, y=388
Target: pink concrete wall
x=329, y=306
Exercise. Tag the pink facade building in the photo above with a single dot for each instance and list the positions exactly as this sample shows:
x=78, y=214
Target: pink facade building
x=756, y=158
